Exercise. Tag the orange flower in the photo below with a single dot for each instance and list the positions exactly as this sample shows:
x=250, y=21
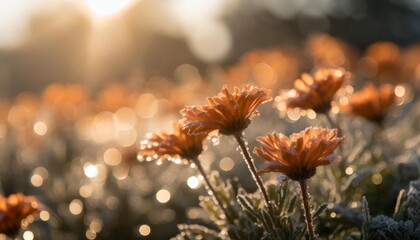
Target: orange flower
x=271, y=68
x=382, y=62
x=411, y=62
x=13, y=210
x=370, y=102
x=298, y=156
x=328, y=51
x=316, y=92
x=178, y=146
x=230, y=113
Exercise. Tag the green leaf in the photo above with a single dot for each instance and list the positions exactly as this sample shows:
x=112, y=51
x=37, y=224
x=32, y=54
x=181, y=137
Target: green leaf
x=247, y=206
x=292, y=203
x=194, y=231
x=366, y=219
x=319, y=210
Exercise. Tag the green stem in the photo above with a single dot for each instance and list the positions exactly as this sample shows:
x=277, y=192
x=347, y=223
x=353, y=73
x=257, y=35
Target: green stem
x=330, y=120
x=334, y=124
x=308, y=216
x=251, y=166
x=210, y=190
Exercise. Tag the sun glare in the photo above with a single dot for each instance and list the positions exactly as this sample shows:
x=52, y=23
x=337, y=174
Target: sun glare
x=189, y=11
x=107, y=7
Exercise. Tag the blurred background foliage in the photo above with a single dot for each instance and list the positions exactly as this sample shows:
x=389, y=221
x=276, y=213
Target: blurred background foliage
x=83, y=81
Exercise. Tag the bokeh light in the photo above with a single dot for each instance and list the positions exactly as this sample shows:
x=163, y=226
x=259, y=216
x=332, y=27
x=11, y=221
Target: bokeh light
x=377, y=178
x=193, y=182
x=210, y=43
x=44, y=215
x=91, y=171
x=163, y=196
x=28, y=235
x=226, y=164
x=107, y=7
x=90, y=234
x=76, y=207
x=144, y=230
x=40, y=128
x=112, y=156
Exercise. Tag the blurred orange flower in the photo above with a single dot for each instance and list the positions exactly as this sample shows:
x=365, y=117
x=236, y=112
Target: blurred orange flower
x=370, y=102
x=115, y=96
x=65, y=98
x=411, y=63
x=271, y=68
x=382, y=62
x=13, y=210
x=327, y=51
x=178, y=147
x=316, y=92
x=298, y=156
x=385, y=54
x=230, y=113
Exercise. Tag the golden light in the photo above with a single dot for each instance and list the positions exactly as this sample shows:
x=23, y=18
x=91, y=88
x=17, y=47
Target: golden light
x=90, y=170
x=193, y=182
x=85, y=191
x=90, y=234
x=37, y=180
x=146, y=105
x=144, y=230
x=294, y=115
x=125, y=118
x=399, y=91
x=96, y=226
x=107, y=7
x=163, y=196
x=14, y=21
x=335, y=109
x=44, y=215
x=121, y=172
x=349, y=171
x=190, y=11
x=126, y=138
x=40, y=128
x=112, y=156
x=28, y=235
x=76, y=207
x=311, y=114
x=226, y=164
x=208, y=38
x=377, y=178
x=103, y=127
x=211, y=41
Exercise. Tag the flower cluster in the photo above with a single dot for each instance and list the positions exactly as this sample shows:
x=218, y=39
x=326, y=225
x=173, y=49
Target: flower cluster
x=296, y=156
x=107, y=126
x=15, y=209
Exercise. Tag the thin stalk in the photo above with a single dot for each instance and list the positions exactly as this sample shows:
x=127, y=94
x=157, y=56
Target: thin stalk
x=251, y=166
x=334, y=124
x=210, y=190
x=308, y=216
x=331, y=122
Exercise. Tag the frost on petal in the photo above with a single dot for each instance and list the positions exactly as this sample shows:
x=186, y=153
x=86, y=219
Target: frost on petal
x=298, y=156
